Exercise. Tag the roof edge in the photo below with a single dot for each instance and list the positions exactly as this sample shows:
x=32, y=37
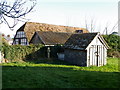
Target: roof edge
x=101, y=39
x=40, y=38
x=92, y=40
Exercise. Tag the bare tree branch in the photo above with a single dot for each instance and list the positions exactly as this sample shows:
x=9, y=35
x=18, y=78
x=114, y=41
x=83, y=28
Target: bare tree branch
x=89, y=24
x=86, y=25
x=17, y=11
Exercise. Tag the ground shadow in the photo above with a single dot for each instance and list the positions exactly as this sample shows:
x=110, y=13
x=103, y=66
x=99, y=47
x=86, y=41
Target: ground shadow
x=41, y=55
x=56, y=77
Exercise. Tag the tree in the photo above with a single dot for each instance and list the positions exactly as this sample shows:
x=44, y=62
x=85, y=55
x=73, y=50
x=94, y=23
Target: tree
x=90, y=24
x=17, y=10
x=114, y=43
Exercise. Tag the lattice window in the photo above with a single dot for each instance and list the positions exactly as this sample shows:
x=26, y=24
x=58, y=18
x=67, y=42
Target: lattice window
x=20, y=34
x=23, y=41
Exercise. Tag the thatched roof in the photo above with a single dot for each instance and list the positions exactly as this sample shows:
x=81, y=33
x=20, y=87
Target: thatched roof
x=30, y=27
x=51, y=38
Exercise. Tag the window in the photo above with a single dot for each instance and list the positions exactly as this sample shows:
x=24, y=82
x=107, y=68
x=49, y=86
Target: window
x=79, y=31
x=21, y=38
x=20, y=34
x=23, y=42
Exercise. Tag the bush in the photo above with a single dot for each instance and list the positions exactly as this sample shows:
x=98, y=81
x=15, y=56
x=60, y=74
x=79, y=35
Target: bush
x=31, y=52
x=18, y=52
x=114, y=43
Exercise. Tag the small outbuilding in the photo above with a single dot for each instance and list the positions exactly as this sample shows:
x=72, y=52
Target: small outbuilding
x=49, y=38
x=87, y=49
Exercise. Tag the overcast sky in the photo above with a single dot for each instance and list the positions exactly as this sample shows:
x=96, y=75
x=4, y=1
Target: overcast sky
x=73, y=13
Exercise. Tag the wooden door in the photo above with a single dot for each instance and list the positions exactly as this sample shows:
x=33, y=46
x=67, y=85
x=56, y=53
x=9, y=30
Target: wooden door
x=96, y=55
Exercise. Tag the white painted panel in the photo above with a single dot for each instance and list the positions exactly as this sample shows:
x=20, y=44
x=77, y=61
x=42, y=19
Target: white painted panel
x=16, y=40
x=88, y=57
x=95, y=41
x=105, y=56
x=102, y=52
x=94, y=56
x=91, y=56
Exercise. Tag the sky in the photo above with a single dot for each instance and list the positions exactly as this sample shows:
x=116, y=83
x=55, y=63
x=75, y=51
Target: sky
x=103, y=13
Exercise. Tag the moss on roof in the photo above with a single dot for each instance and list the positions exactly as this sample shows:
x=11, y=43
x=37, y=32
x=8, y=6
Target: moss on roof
x=80, y=41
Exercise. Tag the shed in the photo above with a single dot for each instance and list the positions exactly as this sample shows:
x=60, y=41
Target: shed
x=87, y=49
x=49, y=38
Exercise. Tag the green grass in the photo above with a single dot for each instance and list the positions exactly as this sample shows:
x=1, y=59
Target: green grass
x=53, y=74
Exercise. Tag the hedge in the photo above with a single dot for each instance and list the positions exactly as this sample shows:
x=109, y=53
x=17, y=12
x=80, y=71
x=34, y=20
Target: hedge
x=18, y=52
x=31, y=52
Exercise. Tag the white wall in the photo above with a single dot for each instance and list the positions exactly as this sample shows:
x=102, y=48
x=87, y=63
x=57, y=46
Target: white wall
x=96, y=41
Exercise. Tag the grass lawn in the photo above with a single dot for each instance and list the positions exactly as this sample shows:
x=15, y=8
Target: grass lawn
x=59, y=75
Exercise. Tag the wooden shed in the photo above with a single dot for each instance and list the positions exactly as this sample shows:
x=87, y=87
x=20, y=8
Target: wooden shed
x=87, y=49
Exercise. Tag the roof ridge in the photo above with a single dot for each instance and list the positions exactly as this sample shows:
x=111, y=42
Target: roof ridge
x=55, y=25
x=54, y=32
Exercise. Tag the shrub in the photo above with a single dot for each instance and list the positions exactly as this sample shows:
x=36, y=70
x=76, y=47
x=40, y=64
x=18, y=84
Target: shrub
x=114, y=43
x=18, y=52
x=31, y=52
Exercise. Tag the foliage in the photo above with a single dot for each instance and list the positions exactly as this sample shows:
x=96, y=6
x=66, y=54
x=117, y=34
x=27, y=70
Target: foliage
x=114, y=43
x=18, y=52
x=31, y=52
x=44, y=75
x=3, y=42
